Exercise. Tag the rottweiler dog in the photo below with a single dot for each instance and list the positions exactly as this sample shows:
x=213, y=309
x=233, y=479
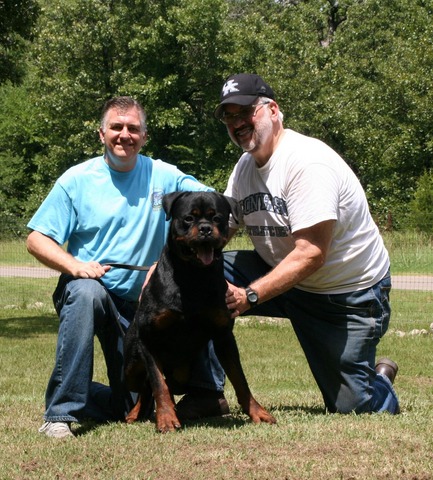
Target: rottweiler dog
x=183, y=307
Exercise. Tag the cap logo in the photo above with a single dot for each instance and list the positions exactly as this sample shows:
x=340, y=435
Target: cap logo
x=230, y=87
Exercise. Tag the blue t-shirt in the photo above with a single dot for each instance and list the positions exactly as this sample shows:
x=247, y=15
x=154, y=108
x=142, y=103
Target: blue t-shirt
x=113, y=217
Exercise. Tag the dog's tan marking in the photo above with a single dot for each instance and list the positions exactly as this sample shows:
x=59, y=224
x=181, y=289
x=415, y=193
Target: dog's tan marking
x=165, y=319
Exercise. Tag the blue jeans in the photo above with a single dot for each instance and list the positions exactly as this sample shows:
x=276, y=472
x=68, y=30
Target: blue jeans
x=86, y=309
x=338, y=334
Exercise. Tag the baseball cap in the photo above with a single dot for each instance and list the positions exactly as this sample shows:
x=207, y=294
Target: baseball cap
x=243, y=89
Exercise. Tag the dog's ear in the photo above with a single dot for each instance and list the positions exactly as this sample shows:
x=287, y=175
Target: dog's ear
x=234, y=207
x=168, y=202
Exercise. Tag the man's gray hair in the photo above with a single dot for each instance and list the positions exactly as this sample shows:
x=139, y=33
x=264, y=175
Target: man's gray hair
x=123, y=104
x=280, y=113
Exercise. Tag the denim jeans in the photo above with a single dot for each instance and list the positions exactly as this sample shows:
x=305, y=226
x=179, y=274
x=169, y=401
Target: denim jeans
x=86, y=309
x=338, y=334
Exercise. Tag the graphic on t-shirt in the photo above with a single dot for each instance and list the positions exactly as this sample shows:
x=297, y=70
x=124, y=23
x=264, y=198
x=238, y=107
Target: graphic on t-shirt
x=267, y=231
x=157, y=199
x=263, y=201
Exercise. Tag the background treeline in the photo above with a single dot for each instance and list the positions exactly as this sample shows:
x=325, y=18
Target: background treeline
x=357, y=74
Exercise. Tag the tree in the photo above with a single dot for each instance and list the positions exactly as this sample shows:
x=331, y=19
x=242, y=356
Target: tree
x=163, y=53
x=19, y=147
x=375, y=92
x=17, y=18
x=421, y=214
x=356, y=74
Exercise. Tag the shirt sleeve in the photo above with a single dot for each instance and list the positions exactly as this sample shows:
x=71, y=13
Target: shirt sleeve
x=55, y=217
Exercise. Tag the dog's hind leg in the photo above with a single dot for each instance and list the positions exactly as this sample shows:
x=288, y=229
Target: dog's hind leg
x=144, y=407
x=137, y=379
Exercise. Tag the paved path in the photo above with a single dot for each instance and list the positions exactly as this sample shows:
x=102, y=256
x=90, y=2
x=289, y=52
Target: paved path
x=399, y=282
x=28, y=272
x=412, y=282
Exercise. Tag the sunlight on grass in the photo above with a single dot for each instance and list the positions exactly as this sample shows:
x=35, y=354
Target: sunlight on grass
x=306, y=443
x=410, y=252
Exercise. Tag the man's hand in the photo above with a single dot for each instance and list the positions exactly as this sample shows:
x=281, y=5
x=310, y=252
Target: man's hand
x=89, y=270
x=48, y=252
x=236, y=300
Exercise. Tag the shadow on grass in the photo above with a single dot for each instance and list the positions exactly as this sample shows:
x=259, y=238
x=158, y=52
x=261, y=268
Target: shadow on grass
x=299, y=409
x=28, y=326
x=227, y=422
x=88, y=426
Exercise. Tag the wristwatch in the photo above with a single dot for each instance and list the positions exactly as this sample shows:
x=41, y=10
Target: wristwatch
x=252, y=296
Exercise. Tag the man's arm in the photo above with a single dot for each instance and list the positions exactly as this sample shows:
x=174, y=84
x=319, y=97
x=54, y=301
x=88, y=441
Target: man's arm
x=48, y=252
x=309, y=254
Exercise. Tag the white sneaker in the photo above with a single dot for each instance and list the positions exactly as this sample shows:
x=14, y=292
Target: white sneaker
x=56, y=429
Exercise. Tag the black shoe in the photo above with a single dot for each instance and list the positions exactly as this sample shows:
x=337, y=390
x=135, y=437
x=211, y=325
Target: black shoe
x=201, y=404
x=387, y=367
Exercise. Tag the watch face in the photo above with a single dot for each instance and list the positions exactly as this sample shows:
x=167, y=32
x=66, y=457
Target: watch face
x=252, y=296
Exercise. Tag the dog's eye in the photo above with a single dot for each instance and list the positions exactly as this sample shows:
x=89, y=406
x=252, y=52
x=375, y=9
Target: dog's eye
x=188, y=219
x=217, y=219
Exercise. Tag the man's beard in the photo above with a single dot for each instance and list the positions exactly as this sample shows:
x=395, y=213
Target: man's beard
x=260, y=134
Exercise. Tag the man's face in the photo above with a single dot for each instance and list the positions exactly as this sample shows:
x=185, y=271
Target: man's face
x=249, y=132
x=123, y=137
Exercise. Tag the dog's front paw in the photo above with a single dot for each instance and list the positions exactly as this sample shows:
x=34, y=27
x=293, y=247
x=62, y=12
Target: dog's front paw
x=258, y=414
x=262, y=416
x=167, y=422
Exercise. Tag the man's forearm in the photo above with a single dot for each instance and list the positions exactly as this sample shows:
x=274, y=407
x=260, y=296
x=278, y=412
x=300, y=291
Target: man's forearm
x=48, y=252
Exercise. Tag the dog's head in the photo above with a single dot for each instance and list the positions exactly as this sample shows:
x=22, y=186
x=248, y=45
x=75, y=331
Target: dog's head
x=199, y=229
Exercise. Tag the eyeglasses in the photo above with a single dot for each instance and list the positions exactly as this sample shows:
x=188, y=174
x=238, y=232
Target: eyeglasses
x=244, y=114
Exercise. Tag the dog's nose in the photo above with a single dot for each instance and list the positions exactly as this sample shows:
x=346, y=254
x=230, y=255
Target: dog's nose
x=205, y=230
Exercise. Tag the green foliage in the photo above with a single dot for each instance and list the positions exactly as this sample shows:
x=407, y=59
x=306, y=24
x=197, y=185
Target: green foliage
x=421, y=211
x=375, y=92
x=356, y=74
x=11, y=206
x=164, y=54
x=20, y=145
x=17, y=18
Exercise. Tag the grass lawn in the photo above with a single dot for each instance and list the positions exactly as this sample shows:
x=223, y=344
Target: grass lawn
x=306, y=443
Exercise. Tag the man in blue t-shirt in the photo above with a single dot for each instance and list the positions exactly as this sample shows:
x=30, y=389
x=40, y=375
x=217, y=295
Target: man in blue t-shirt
x=108, y=210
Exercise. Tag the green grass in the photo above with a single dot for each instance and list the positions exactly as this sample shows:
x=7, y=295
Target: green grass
x=410, y=252
x=306, y=443
x=14, y=252
x=27, y=293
